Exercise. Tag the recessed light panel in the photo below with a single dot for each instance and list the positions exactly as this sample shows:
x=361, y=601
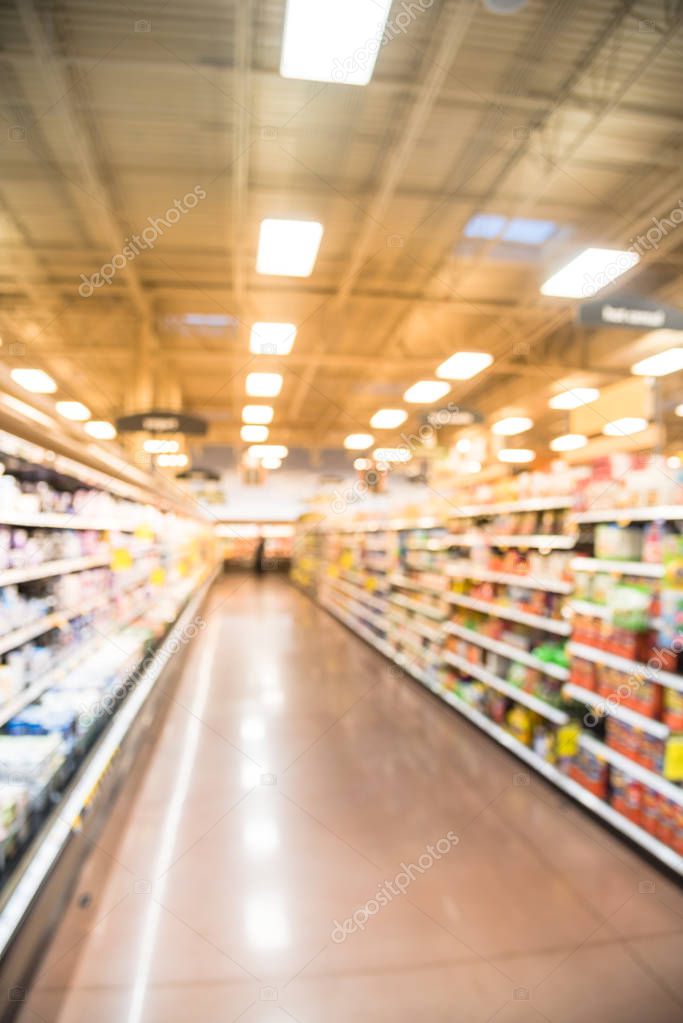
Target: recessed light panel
x=425, y=392
x=74, y=410
x=264, y=385
x=358, y=441
x=272, y=338
x=590, y=272
x=660, y=365
x=261, y=415
x=511, y=426
x=34, y=380
x=516, y=456
x=288, y=248
x=625, y=427
x=574, y=397
x=333, y=40
x=388, y=418
x=254, y=434
x=464, y=365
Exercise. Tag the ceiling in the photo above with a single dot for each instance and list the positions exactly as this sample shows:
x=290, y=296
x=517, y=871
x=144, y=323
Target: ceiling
x=567, y=112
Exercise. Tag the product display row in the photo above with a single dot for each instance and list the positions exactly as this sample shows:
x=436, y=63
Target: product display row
x=562, y=638
x=90, y=583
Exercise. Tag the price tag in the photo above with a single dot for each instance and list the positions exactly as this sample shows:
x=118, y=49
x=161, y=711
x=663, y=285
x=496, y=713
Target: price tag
x=144, y=533
x=121, y=560
x=673, y=759
x=567, y=743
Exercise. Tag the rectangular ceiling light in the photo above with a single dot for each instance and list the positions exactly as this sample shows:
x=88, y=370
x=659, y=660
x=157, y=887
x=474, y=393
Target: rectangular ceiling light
x=254, y=434
x=333, y=40
x=523, y=231
x=485, y=225
x=590, y=272
x=660, y=365
x=272, y=338
x=288, y=248
x=388, y=418
x=424, y=392
x=264, y=385
x=34, y=380
x=258, y=415
x=464, y=365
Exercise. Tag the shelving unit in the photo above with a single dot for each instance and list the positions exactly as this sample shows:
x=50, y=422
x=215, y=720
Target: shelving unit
x=433, y=575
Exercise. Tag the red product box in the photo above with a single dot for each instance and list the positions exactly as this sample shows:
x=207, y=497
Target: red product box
x=626, y=795
x=590, y=772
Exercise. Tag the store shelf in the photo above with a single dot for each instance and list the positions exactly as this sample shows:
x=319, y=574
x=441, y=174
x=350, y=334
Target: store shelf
x=666, y=855
x=508, y=650
x=601, y=706
x=644, y=568
x=533, y=504
x=414, y=605
x=65, y=520
x=417, y=626
x=415, y=584
x=67, y=566
x=508, y=578
x=572, y=788
x=665, y=512
x=590, y=609
x=554, y=625
x=359, y=593
x=637, y=668
x=539, y=706
x=66, y=821
x=550, y=542
x=630, y=767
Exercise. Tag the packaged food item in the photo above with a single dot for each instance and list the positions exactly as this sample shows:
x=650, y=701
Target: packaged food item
x=626, y=795
x=520, y=722
x=672, y=714
x=618, y=543
x=590, y=771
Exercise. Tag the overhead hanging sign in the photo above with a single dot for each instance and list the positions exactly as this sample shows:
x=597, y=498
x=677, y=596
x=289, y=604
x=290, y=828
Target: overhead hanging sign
x=158, y=421
x=636, y=313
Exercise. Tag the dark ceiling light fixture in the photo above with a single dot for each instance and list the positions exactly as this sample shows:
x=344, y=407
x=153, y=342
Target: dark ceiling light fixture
x=504, y=6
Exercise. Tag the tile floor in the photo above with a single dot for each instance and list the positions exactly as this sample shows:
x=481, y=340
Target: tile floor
x=298, y=777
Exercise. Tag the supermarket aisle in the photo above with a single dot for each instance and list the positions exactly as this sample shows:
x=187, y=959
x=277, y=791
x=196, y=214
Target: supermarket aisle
x=317, y=838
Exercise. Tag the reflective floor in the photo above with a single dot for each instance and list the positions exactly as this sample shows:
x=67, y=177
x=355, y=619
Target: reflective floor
x=317, y=838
